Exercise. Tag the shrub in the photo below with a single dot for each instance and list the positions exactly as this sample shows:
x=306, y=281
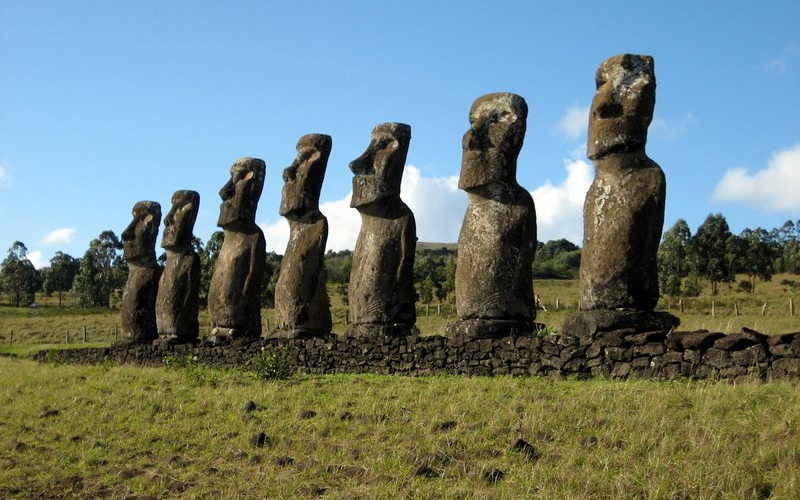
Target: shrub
x=195, y=373
x=272, y=364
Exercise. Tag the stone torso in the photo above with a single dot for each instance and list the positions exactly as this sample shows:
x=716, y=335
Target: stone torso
x=495, y=254
x=137, y=312
x=234, y=293
x=381, y=281
x=176, y=305
x=623, y=218
x=301, y=299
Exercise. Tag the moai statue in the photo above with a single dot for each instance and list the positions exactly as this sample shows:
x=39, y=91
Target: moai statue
x=234, y=296
x=178, y=289
x=624, y=209
x=138, y=309
x=302, y=308
x=496, y=246
x=381, y=293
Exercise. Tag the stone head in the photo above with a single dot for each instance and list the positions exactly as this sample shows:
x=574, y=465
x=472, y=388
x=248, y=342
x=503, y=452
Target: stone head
x=241, y=193
x=379, y=171
x=494, y=139
x=179, y=222
x=623, y=104
x=303, y=178
x=139, y=238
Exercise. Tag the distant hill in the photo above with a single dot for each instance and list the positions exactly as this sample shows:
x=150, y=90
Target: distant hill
x=424, y=245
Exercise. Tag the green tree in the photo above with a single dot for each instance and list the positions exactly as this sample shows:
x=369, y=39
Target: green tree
x=102, y=271
x=61, y=274
x=208, y=257
x=18, y=277
x=712, y=252
x=757, y=255
x=272, y=270
x=672, y=256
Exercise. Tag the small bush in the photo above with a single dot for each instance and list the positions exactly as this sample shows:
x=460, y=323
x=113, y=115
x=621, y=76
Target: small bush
x=792, y=284
x=272, y=364
x=195, y=373
x=744, y=286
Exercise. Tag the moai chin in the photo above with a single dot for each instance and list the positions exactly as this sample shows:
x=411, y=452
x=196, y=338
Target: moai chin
x=234, y=294
x=179, y=287
x=302, y=308
x=624, y=208
x=496, y=246
x=137, y=312
x=381, y=292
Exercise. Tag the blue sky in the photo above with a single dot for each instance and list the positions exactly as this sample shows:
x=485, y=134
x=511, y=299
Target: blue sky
x=103, y=104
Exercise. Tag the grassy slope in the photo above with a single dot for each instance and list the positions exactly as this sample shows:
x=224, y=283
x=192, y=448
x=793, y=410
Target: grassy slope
x=123, y=431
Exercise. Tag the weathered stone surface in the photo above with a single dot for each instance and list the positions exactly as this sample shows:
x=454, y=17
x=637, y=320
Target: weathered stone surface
x=739, y=341
x=495, y=328
x=138, y=309
x=234, y=294
x=497, y=242
x=646, y=337
x=302, y=308
x=179, y=286
x=381, y=292
x=624, y=208
x=702, y=339
x=589, y=323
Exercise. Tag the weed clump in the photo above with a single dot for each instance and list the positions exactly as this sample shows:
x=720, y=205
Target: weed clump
x=272, y=364
x=196, y=374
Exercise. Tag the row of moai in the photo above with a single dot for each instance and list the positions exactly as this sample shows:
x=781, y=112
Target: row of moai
x=623, y=220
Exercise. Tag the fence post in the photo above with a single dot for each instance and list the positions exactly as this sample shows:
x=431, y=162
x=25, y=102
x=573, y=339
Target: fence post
x=267, y=324
x=115, y=333
x=680, y=304
x=736, y=308
x=84, y=334
x=764, y=309
x=713, y=308
x=791, y=306
x=557, y=304
x=427, y=309
x=11, y=340
x=347, y=317
x=66, y=337
x=438, y=309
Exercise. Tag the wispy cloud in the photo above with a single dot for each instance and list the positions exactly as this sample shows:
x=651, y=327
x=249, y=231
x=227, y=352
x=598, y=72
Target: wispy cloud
x=5, y=178
x=62, y=235
x=672, y=128
x=779, y=64
x=559, y=208
x=773, y=189
x=574, y=123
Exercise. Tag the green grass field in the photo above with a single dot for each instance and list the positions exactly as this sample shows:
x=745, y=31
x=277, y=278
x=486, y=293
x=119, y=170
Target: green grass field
x=50, y=324
x=128, y=432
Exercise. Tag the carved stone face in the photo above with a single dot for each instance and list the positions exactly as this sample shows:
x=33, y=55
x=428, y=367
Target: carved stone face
x=379, y=171
x=623, y=105
x=303, y=178
x=139, y=238
x=179, y=222
x=493, y=141
x=241, y=193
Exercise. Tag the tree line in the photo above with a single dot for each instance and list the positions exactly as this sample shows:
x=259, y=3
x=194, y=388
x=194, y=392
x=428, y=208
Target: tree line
x=715, y=255
x=685, y=261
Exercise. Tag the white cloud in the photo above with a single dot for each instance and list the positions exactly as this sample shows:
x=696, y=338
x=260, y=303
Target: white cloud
x=437, y=203
x=36, y=259
x=574, y=123
x=559, y=209
x=62, y=235
x=5, y=178
x=772, y=189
